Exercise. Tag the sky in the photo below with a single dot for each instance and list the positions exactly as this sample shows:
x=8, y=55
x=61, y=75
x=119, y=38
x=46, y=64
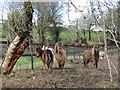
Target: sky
x=72, y=14
x=81, y=4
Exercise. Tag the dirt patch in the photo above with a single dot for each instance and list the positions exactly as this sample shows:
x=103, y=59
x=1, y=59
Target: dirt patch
x=74, y=75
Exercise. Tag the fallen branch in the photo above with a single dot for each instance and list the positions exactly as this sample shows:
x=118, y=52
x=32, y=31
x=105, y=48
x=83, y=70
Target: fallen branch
x=109, y=66
x=114, y=67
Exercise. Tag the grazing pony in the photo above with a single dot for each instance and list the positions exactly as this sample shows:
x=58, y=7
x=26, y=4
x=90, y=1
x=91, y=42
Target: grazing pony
x=46, y=56
x=91, y=56
x=60, y=55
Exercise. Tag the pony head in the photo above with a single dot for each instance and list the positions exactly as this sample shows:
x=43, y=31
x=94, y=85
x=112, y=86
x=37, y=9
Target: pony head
x=38, y=52
x=96, y=48
x=58, y=47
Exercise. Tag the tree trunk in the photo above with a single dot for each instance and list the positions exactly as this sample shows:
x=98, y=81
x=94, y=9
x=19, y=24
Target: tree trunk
x=31, y=51
x=89, y=34
x=98, y=38
x=84, y=34
x=43, y=35
x=118, y=21
x=78, y=32
x=39, y=37
x=19, y=44
x=56, y=32
x=38, y=27
x=14, y=52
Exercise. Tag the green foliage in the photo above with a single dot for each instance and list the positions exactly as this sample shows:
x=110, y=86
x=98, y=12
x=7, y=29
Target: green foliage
x=13, y=25
x=55, y=33
x=1, y=26
x=49, y=13
x=15, y=20
x=66, y=36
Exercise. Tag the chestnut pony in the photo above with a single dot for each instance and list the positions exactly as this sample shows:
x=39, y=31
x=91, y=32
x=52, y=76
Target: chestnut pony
x=46, y=56
x=91, y=56
x=60, y=55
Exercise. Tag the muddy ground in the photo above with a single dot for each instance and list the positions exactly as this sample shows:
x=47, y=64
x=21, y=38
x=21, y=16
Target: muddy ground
x=73, y=76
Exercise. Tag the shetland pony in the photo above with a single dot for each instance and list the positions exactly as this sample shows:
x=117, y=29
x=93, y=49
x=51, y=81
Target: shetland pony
x=60, y=55
x=91, y=56
x=46, y=56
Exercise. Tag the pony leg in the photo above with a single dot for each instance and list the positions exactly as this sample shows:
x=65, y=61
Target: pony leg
x=45, y=67
x=51, y=63
x=85, y=63
x=60, y=66
x=96, y=64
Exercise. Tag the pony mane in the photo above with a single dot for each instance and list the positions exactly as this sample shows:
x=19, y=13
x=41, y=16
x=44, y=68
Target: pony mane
x=56, y=51
x=93, y=50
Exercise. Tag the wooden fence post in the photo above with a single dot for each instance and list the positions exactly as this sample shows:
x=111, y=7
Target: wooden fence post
x=74, y=52
x=79, y=54
x=31, y=51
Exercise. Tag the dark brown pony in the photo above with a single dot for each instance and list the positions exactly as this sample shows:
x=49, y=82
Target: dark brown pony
x=91, y=56
x=60, y=55
x=46, y=56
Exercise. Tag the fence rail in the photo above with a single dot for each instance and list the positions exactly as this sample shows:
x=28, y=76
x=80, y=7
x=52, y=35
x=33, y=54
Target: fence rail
x=73, y=51
x=76, y=48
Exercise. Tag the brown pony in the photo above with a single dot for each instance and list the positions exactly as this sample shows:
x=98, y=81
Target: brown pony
x=91, y=56
x=60, y=55
x=46, y=56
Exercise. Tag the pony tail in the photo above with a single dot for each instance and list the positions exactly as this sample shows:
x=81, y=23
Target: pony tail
x=48, y=58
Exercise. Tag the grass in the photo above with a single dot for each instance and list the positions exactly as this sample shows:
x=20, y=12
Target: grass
x=25, y=62
x=65, y=36
x=3, y=39
x=107, y=84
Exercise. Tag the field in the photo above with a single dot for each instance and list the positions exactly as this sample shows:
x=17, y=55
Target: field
x=86, y=25
x=74, y=75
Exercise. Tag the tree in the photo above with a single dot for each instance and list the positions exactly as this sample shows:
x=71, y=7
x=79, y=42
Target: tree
x=56, y=15
x=13, y=24
x=49, y=14
x=118, y=20
x=43, y=18
x=56, y=33
x=20, y=42
x=78, y=32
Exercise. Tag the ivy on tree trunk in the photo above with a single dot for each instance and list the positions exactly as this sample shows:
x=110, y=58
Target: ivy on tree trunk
x=21, y=41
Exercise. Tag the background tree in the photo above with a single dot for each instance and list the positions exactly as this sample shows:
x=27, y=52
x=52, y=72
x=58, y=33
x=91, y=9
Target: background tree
x=56, y=18
x=43, y=19
x=13, y=24
x=48, y=15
